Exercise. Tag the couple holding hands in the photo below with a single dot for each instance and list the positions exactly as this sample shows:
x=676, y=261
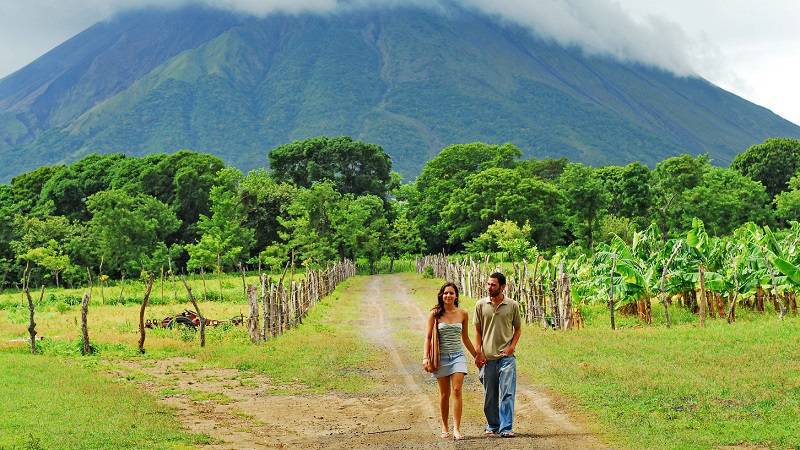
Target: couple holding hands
x=497, y=331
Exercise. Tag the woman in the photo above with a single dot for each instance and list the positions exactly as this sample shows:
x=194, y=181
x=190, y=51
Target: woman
x=452, y=327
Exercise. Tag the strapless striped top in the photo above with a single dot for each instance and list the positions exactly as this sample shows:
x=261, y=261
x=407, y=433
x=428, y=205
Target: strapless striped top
x=450, y=338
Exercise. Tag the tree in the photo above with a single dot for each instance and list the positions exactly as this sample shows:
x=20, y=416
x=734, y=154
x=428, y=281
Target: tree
x=354, y=167
x=44, y=241
x=773, y=163
x=49, y=257
x=66, y=192
x=27, y=187
x=361, y=227
x=307, y=227
x=548, y=169
x=223, y=237
x=264, y=201
x=670, y=179
x=725, y=200
x=443, y=175
x=587, y=200
x=787, y=203
x=505, y=236
x=128, y=229
x=503, y=194
x=404, y=239
x=629, y=191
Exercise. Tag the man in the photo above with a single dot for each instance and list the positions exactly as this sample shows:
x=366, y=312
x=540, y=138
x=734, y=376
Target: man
x=497, y=330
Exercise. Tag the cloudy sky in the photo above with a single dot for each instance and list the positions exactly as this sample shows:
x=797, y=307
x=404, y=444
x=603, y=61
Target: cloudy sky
x=749, y=47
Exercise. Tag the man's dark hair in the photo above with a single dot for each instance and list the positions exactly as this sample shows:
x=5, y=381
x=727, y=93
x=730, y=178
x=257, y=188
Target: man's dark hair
x=499, y=277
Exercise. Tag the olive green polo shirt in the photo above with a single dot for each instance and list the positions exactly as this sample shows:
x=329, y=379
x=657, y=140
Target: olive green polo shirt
x=497, y=325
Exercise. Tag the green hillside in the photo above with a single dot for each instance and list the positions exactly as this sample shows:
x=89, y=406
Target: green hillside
x=410, y=80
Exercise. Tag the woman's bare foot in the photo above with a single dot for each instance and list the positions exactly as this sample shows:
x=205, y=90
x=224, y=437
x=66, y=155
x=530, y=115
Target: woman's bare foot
x=457, y=435
x=445, y=434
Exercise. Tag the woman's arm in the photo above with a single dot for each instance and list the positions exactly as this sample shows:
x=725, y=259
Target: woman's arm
x=465, y=335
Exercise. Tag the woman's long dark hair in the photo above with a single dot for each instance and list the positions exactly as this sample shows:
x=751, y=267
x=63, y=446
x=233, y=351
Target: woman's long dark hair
x=438, y=310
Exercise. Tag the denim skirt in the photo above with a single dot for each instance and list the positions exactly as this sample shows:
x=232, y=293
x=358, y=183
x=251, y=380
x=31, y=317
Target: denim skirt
x=450, y=363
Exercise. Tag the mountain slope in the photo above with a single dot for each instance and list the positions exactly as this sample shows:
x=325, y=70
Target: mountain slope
x=408, y=79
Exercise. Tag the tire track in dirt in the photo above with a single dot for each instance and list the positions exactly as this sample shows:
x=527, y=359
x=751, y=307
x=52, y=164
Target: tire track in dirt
x=537, y=423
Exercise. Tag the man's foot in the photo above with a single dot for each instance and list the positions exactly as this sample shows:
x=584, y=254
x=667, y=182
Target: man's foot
x=507, y=434
x=489, y=432
x=445, y=435
x=457, y=435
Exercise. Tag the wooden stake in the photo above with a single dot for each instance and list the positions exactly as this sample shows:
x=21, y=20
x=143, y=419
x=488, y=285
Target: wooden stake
x=148, y=287
x=197, y=309
x=252, y=321
x=86, y=349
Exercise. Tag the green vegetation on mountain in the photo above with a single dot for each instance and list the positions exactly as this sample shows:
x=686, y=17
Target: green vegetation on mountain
x=410, y=80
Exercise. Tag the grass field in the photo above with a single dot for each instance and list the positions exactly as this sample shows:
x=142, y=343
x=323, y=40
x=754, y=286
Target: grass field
x=637, y=387
x=56, y=402
x=680, y=387
x=55, y=395
x=167, y=290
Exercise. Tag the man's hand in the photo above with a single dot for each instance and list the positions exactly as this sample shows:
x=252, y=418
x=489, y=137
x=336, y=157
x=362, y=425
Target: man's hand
x=508, y=351
x=480, y=359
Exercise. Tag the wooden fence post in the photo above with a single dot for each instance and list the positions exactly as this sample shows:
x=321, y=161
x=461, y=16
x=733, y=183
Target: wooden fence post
x=87, y=348
x=264, y=306
x=252, y=321
x=197, y=309
x=148, y=288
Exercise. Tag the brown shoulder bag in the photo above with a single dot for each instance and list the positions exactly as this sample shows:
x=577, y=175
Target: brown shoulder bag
x=433, y=350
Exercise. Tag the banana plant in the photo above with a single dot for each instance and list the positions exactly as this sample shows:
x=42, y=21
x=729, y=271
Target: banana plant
x=775, y=261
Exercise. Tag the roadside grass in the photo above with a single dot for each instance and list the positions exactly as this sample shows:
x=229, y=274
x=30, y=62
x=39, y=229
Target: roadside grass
x=324, y=353
x=166, y=291
x=684, y=387
x=53, y=402
x=649, y=386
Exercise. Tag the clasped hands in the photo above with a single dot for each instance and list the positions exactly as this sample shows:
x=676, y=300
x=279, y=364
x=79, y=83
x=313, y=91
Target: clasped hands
x=480, y=358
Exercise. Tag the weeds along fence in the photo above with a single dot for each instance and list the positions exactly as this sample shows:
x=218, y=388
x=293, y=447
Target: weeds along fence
x=544, y=296
x=284, y=305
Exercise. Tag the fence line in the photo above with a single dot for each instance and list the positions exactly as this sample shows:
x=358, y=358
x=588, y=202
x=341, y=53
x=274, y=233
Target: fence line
x=283, y=305
x=542, y=297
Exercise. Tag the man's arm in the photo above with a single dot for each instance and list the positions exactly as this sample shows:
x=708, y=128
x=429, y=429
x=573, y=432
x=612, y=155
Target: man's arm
x=508, y=351
x=480, y=358
x=516, y=322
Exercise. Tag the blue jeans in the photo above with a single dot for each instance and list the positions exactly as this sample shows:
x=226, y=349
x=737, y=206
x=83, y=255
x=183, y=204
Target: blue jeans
x=499, y=379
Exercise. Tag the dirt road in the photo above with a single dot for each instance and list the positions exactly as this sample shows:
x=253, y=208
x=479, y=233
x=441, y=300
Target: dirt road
x=239, y=413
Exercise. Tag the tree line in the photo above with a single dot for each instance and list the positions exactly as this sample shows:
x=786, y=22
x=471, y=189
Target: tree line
x=328, y=198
